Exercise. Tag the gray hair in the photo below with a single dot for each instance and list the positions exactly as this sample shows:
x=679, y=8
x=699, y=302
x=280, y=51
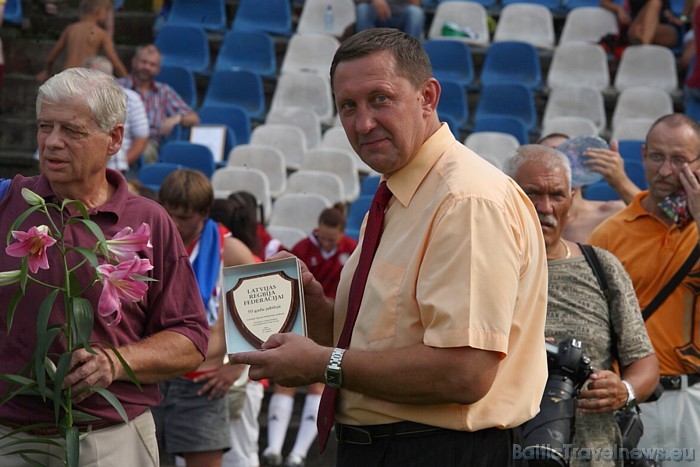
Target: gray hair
x=550, y=158
x=98, y=62
x=100, y=92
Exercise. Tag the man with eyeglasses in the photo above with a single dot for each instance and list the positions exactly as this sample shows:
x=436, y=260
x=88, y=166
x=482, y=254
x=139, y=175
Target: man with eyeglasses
x=653, y=237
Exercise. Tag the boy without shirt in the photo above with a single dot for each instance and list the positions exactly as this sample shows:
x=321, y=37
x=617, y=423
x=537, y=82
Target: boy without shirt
x=83, y=39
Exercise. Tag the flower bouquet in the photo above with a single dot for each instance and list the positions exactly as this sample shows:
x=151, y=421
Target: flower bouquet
x=112, y=264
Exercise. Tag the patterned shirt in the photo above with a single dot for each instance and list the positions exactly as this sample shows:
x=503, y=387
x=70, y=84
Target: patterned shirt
x=161, y=102
x=577, y=308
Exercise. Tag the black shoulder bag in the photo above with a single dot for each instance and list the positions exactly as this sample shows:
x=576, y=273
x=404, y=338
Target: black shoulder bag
x=629, y=421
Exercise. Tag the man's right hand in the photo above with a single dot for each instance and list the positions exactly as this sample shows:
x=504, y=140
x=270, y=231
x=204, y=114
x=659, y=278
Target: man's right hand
x=169, y=123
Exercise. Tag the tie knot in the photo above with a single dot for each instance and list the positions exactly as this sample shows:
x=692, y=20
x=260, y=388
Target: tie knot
x=383, y=195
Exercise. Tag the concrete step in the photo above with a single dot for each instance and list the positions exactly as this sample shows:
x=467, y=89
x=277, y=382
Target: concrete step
x=17, y=135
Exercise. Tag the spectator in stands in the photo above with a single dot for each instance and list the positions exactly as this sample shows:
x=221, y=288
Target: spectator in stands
x=245, y=396
x=135, y=127
x=84, y=39
x=609, y=325
x=406, y=15
x=584, y=215
x=646, y=21
x=164, y=106
x=268, y=245
x=324, y=252
x=236, y=215
x=654, y=238
x=192, y=418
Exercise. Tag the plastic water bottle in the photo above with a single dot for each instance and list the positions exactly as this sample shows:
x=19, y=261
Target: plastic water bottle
x=328, y=18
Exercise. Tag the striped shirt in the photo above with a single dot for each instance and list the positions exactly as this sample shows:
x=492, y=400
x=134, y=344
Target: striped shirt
x=135, y=126
x=161, y=102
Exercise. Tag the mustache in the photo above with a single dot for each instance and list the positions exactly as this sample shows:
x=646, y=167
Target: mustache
x=548, y=220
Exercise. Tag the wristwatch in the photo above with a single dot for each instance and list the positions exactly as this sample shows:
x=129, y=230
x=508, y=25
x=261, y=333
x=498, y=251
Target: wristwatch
x=631, y=396
x=334, y=373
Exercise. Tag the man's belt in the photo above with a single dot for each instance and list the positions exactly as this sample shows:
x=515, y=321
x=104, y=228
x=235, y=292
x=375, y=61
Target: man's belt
x=53, y=431
x=674, y=383
x=366, y=434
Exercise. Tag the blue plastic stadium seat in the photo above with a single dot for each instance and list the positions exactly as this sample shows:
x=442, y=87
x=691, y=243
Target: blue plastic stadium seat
x=453, y=103
x=512, y=62
x=356, y=214
x=271, y=16
x=630, y=149
x=232, y=115
x=243, y=88
x=248, y=50
x=185, y=46
x=152, y=175
x=181, y=80
x=504, y=124
x=13, y=12
x=514, y=100
x=208, y=14
x=451, y=60
x=190, y=155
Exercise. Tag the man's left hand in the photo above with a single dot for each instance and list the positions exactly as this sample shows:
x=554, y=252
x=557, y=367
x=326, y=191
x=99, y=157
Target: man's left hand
x=288, y=359
x=218, y=382
x=90, y=370
x=604, y=393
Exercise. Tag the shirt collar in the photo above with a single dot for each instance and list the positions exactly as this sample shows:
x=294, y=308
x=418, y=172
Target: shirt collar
x=404, y=182
x=636, y=210
x=115, y=205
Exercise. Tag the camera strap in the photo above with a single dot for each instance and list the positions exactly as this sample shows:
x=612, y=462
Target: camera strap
x=671, y=284
x=593, y=261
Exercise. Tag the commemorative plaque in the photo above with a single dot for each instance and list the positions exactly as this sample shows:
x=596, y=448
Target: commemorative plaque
x=261, y=300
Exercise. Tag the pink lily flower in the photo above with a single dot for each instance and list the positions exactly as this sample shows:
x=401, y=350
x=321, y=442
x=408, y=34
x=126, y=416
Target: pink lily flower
x=32, y=244
x=127, y=242
x=119, y=284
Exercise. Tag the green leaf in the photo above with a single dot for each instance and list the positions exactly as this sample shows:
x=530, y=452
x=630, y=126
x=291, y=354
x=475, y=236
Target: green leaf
x=83, y=318
x=88, y=254
x=42, y=339
x=12, y=307
x=76, y=204
x=72, y=447
x=16, y=379
x=31, y=461
x=109, y=397
x=97, y=232
x=127, y=369
x=61, y=371
x=82, y=417
x=25, y=275
x=143, y=278
x=20, y=219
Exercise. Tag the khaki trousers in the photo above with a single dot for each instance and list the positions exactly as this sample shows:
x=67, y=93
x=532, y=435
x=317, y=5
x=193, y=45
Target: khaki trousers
x=126, y=444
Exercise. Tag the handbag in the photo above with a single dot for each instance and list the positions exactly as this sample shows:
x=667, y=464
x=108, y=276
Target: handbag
x=631, y=427
x=629, y=421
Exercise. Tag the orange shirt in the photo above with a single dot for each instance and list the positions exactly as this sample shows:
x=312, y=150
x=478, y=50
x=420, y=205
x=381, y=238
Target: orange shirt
x=461, y=262
x=652, y=252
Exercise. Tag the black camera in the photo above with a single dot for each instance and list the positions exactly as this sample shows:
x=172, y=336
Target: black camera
x=552, y=428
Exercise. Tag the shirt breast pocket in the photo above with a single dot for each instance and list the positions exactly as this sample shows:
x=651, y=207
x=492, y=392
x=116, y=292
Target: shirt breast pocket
x=381, y=299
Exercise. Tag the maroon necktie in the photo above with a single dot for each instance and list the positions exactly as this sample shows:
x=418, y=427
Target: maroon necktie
x=373, y=232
